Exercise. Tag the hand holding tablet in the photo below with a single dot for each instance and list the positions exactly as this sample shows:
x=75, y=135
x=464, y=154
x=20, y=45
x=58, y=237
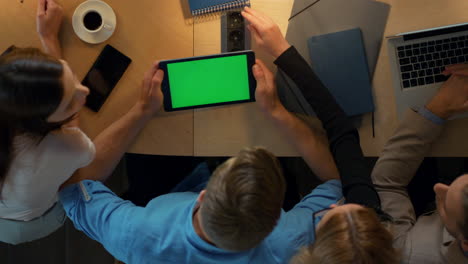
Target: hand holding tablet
x=208, y=81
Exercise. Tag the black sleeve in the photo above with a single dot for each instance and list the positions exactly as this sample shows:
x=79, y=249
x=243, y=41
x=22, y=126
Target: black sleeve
x=343, y=136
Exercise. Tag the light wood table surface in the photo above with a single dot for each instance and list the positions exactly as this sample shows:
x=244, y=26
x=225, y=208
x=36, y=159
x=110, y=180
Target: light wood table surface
x=408, y=16
x=155, y=29
x=147, y=30
x=225, y=130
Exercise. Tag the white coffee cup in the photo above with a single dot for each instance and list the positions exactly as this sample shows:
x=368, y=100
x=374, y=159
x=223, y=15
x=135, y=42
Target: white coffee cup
x=93, y=21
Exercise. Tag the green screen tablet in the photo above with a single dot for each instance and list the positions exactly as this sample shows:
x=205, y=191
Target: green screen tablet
x=208, y=81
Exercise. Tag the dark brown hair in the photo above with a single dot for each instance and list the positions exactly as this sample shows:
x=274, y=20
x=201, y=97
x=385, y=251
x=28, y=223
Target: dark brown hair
x=31, y=89
x=354, y=237
x=243, y=200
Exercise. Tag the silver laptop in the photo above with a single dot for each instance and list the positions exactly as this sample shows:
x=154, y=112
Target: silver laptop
x=418, y=59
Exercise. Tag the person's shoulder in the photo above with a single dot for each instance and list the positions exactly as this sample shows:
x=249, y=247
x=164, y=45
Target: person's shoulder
x=172, y=199
x=320, y=198
x=73, y=141
x=68, y=135
x=330, y=189
x=427, y=240
x=290, y=234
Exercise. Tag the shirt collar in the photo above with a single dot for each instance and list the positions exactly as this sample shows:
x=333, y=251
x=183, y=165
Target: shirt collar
x=447, y=238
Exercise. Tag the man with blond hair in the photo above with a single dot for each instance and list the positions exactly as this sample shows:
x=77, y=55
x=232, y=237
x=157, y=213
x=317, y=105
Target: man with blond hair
x=237, y=218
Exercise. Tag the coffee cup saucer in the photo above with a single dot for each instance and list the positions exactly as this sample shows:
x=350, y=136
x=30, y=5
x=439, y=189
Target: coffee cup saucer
x=108, y=17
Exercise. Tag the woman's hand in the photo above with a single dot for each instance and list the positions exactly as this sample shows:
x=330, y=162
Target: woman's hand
x=48, y=21
x=266, y=94
x=151, y=98
x=266, y=32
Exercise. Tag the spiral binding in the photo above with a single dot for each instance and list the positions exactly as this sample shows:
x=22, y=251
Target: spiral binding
x=222, y=7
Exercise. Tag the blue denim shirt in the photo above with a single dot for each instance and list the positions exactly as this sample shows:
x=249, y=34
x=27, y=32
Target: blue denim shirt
x=162, y=232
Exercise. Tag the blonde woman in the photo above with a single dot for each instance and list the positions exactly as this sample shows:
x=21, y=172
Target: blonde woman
x=349, y=235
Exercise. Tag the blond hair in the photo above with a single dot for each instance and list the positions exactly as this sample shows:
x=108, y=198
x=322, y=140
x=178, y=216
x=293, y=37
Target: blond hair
x=354, y=237
x=243, y=200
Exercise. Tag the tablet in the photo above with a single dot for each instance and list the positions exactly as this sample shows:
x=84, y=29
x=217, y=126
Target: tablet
x=208, y=81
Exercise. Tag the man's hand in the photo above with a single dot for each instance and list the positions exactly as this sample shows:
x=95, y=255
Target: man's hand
x=48, y=22
x=452, y=98
x=151, y=98
x=457, y=69
x=266, y=94
x=266, y=32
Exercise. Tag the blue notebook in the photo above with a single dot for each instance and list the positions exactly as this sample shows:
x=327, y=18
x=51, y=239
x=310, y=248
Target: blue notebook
x=339, y=60
x=201, y=7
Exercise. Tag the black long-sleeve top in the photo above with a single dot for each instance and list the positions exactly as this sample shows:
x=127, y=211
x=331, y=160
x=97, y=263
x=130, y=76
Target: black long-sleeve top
x=343, y=136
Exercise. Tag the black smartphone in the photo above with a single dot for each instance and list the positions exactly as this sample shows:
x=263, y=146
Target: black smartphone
x=104, y=75
x=208, y=80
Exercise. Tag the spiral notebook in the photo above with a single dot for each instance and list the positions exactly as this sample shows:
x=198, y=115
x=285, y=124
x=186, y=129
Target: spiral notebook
x=202, y=7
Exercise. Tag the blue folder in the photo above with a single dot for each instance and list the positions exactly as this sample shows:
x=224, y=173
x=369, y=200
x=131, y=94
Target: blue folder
x=339, y=60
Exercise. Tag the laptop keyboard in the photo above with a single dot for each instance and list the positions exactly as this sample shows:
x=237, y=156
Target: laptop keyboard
x=423, y=63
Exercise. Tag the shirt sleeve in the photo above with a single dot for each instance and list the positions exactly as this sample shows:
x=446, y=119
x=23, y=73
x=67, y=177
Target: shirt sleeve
x=321, y=197
x=78, y=144
x=295, y=229
x=343, y=136
x=426, y=113
x=397, y=165
x=101, y=215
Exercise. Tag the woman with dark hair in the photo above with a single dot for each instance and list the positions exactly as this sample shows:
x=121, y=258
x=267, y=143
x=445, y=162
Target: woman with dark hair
x=41, y=146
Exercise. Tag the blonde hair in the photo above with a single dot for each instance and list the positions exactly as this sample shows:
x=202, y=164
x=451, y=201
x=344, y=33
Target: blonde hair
x=243, y=200
x=354, y=237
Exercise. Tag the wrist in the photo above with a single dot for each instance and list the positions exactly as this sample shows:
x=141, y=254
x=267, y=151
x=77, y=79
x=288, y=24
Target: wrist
x=51, y=46
x=279, y=113
x=439, y=110
x=142, y=111
x=50, y=41
x=281, y=49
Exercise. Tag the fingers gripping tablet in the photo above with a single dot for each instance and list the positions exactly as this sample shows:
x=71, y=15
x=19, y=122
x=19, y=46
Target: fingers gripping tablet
x=208, y=81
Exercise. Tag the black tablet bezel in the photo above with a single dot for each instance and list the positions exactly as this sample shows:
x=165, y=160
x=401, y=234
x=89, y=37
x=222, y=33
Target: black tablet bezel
x=165, y=86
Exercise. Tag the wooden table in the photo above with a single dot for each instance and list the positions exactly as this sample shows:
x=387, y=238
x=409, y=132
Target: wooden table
x=224, y=131
x=408, y=16
x=147, y=30
x=155, y=29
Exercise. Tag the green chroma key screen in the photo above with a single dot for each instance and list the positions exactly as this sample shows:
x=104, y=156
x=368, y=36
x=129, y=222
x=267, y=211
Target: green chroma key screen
x=209, y=81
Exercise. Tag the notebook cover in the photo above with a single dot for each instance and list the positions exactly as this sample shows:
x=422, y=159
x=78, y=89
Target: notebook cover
x=201, y=4
x=340, y=61
x=312, y=18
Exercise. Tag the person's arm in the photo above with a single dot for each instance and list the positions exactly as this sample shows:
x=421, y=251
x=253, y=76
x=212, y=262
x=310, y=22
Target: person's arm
x=114, y=141
x=311, y=147
x=102, y=215
x=48, y=21
x=343, y=136
x=404, y=152
x=295, y=229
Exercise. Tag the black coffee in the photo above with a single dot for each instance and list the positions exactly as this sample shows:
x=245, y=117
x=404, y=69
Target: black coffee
x=92, y=20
